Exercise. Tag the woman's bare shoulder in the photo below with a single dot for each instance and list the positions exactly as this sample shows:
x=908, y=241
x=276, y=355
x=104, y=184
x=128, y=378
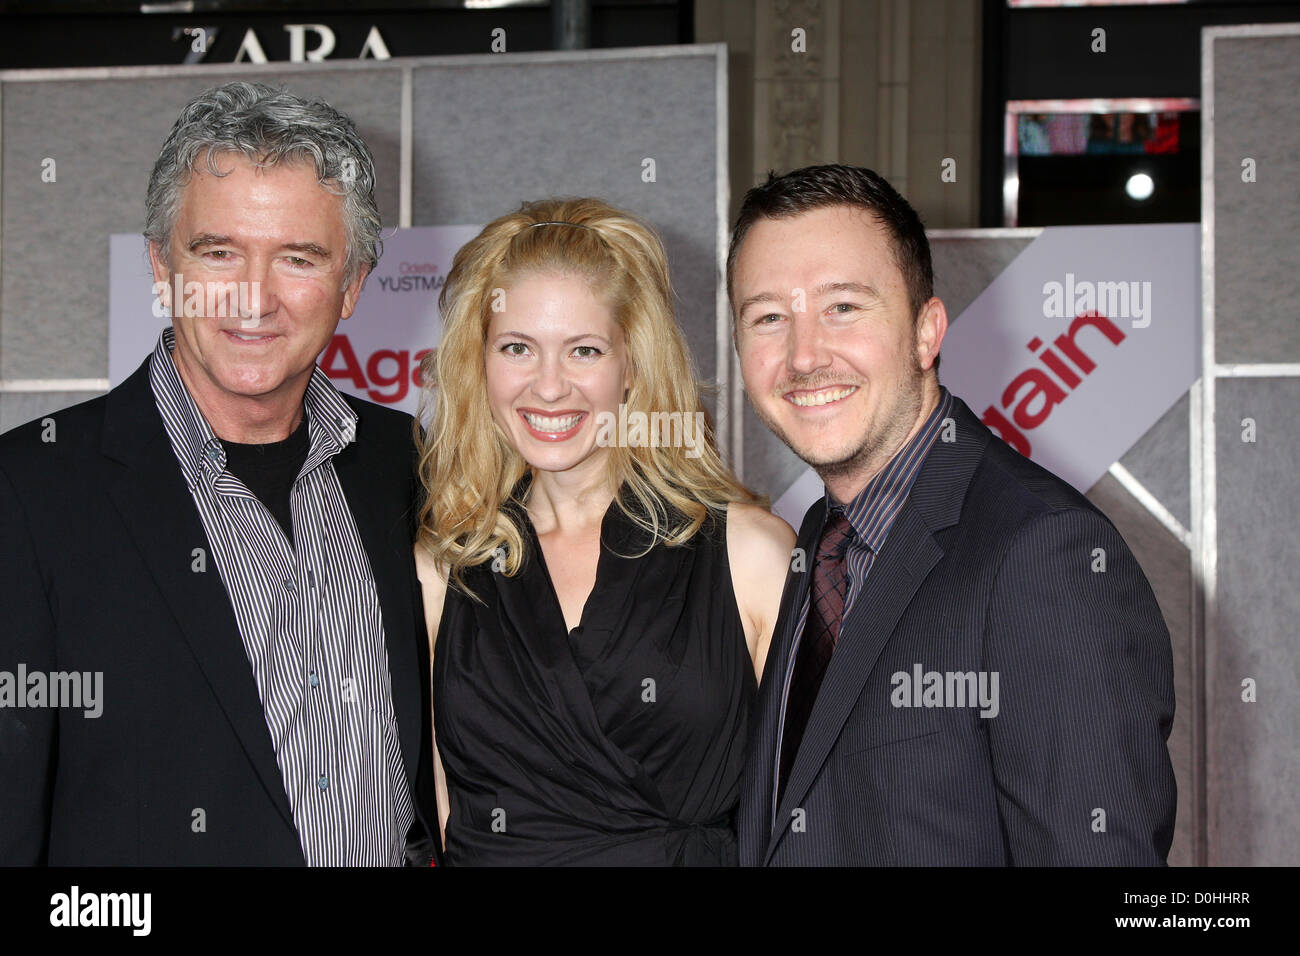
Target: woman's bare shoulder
x=755, y=529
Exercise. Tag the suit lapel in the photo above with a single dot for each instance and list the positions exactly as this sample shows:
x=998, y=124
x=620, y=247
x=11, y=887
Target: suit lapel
x=164, y=524
x=909, y=553
x=388, y=541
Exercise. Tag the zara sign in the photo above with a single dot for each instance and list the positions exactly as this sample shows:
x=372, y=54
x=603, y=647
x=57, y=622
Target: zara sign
x=323, y=44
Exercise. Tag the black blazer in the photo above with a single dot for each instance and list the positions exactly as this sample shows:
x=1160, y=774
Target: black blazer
x=989, y=567
x=97, y=529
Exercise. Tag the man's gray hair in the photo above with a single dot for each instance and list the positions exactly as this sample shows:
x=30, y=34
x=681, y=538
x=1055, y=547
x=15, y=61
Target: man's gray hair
x=268, y=126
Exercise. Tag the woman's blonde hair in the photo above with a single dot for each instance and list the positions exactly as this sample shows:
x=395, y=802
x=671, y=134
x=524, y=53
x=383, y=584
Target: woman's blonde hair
x=467, y=464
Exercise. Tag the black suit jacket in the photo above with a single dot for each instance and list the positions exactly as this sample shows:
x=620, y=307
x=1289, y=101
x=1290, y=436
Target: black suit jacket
x=991, y=566
x=97, y=530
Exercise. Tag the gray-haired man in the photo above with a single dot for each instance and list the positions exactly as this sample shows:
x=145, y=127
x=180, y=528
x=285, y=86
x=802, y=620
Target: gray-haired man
x=226, y=539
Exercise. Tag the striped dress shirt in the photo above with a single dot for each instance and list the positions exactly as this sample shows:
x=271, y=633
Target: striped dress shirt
x=310, y=622
x=871, y=514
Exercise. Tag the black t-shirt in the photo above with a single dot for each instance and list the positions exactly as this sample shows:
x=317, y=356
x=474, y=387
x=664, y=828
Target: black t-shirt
x=269, y=470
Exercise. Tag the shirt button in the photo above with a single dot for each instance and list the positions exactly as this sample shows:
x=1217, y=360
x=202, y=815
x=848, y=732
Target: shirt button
x=289, y=585
x=323, y=782
x=313, y=679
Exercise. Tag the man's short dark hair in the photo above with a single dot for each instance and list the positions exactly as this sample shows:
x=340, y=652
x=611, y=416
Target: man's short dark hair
x=817, y=187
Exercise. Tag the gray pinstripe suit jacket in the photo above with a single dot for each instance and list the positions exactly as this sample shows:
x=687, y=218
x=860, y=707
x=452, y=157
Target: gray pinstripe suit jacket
x=991, y=566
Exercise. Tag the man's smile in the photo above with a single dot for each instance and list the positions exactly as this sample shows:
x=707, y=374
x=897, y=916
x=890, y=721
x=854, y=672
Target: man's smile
x=817, y=398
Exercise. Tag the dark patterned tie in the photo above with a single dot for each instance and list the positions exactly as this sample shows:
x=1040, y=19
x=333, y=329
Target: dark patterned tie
x=821, y=630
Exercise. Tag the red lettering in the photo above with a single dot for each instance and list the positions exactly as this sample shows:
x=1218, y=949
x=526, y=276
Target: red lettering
x=340, y=348
x=1053, y=361
x=1042, y=385
x=1066, y=342
x=397, y=379
x=1032, y=383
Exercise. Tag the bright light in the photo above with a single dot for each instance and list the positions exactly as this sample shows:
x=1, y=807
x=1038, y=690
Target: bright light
x=1140, y=186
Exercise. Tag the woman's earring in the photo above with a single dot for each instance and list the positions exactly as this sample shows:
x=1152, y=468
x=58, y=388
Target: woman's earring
x=625, y=392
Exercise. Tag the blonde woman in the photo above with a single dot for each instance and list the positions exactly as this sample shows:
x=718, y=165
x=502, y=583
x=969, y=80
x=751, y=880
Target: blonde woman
x=600, y=590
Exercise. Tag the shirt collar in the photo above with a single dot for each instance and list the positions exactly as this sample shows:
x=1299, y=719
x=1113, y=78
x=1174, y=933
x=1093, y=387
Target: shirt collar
x=331, y=422
x=872, y=511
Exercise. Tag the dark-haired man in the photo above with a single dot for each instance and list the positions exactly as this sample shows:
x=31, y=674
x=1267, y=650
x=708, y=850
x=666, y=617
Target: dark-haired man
x=224, y=541
x=950, y=682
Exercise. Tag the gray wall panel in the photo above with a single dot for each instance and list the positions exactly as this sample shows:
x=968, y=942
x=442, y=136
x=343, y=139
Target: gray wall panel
x=1252, y=765
x=1253, y=758
x=1256, y=225
x=486, y=139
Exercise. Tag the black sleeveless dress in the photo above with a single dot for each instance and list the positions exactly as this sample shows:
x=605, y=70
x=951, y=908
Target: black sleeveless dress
x=619, y=744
